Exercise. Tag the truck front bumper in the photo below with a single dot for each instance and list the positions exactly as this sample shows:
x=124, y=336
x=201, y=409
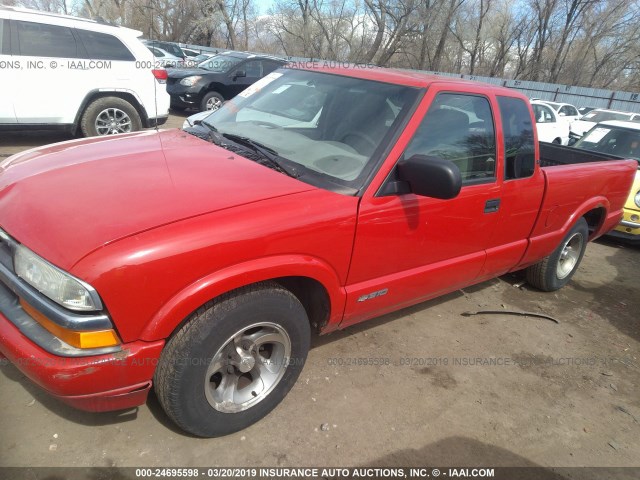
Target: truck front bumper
x=112, y=381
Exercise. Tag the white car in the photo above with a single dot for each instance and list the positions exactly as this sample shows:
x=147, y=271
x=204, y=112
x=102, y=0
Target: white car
x=164, y=58
x=565, y=110
x=588, y=121
x=550, y=126
x=77, y=74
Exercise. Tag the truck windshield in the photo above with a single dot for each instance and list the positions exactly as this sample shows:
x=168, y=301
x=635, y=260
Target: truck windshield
x=615, y=141
x=332, y=128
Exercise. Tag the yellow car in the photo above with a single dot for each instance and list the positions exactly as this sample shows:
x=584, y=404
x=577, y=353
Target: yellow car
x=622, y=139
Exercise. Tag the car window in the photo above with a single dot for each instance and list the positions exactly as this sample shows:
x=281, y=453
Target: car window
x=156, y=52
x=40, y=40
x=103, y=46
x=615, y=141
x=519, y=147
x=2, y=37
x=293, y=101
x=458, y=128
x=571, y=111
x=253, y=68
x=220, y=63
x=173, y=49
x=543, y=114
x=269, y=66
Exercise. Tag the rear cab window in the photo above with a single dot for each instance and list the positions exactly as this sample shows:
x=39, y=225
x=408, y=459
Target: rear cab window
x=519, y=146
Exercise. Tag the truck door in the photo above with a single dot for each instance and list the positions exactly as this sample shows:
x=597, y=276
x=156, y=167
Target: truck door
x=521, y=187
x=410, y=248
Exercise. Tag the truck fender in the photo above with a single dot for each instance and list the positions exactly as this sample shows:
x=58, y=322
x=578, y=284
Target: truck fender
x=542, y=245
x=189, y=299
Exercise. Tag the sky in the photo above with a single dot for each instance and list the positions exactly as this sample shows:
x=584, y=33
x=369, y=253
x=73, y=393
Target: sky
x=263, y=5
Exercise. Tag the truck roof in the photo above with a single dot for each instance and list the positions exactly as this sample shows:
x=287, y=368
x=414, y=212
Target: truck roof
x=396, y=76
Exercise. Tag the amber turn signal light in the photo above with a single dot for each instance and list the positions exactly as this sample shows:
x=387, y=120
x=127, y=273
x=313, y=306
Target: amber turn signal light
x=78, y=339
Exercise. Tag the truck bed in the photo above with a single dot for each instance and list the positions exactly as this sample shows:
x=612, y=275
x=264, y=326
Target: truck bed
x=552, y=155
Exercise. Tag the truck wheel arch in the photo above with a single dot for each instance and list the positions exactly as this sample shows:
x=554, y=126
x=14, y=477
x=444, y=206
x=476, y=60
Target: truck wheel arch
x=312, y=281
x=594, y=211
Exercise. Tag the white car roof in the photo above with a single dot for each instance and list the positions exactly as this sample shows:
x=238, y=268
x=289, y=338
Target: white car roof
x=559, y=104
x=621, y=123
x=609, y=110
x=30, y=15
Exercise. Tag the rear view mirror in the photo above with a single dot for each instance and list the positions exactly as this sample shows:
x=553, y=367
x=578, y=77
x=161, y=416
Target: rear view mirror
x=431, y=176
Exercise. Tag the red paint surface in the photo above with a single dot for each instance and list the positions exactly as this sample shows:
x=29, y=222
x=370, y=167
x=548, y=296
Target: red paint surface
x=190, y=221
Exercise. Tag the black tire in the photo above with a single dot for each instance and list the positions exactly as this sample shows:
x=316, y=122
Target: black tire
x=99, y=106
x=214, y=97
x=555, y=271
x=183, y=383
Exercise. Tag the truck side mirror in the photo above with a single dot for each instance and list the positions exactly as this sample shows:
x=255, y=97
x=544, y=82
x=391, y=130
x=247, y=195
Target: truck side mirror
x=430, y=176
x=239, y=74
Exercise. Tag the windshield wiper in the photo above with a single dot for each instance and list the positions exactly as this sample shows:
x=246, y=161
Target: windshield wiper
x=268, y=154
x=213, y=134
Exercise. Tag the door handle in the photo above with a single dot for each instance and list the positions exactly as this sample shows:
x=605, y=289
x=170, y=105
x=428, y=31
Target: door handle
x=492, y=205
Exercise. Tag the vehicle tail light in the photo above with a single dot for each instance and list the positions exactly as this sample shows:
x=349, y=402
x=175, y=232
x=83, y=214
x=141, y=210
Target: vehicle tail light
x=160, y=74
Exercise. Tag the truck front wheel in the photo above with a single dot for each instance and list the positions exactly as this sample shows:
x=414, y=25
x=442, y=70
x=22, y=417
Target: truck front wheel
x=234, y=360
x=555, y=271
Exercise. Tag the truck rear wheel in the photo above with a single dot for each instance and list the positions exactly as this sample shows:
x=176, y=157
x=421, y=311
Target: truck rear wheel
x=234, y=360
x=555, y=271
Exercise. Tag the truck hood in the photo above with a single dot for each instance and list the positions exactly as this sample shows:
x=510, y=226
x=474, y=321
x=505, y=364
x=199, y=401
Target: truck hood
x=67, y=199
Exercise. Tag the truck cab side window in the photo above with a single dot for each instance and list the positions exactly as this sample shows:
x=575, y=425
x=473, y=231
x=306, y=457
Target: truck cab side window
x=459, y=128
x=519, y=149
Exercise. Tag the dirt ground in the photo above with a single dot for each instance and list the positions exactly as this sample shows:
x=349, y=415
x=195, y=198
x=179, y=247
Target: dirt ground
x=485, y=390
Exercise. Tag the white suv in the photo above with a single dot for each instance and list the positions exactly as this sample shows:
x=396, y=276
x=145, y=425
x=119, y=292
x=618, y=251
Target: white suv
x=77, y=74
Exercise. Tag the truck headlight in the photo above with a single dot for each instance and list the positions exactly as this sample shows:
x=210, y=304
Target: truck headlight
x=637, y=199
x=54, y=283
x=190, y=81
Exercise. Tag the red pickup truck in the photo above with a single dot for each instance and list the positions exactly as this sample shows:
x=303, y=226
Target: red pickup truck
x=200, y=260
